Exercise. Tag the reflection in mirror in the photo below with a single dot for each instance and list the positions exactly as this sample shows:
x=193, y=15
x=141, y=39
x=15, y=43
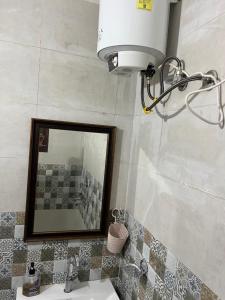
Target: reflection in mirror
x=70, y=179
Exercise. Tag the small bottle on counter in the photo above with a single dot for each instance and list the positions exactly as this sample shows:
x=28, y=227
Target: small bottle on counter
x=31, y=284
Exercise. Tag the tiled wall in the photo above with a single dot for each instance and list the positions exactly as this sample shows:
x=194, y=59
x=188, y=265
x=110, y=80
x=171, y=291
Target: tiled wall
x=61, y=188
x=167, y=279
x=58, y=187
x=49, y=70
x=49, y=257
x=91, y=200
x=177, y=165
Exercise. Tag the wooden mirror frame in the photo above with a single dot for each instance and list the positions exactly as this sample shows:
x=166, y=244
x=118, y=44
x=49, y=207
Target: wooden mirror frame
x=36, y=124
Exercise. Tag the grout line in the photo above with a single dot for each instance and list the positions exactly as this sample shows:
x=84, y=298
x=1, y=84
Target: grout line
x=190, y=186
x=181, y=183
x=19, y=44
x=38, y=83
x=160, y=139
x=85, y=111
x=94, y=58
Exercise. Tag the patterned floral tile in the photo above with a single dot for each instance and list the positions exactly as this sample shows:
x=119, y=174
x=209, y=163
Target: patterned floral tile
x=189, y=296
x=47, y=267
x=85, y=263
x=129, y=252
x=19, y=244
x=179, y=289
x=34, y=256
x=169, y=280
x=194, y=286
x=59, y=278
x=7, y=232
x=61, y=250
x=7, y=218
x=136, y=230
x=161, y=289
x=5, y=294
x=47, y=254
x=207, y=294
x=85, y=250
x=119, y=287
x=159, y=250
x=20, y=218
x=149, y=291
x=19, y=256
x=5, y=283
x=6, y=257
x=182, y=282
x=5, y=270
x=148, y=238
x=96, y=262
x=47, y=245
x=18, y=269
x=182, y=273
x=110, y=261
x=96, y=249
x=157, y=265
x=73, y=251
x=6, y=245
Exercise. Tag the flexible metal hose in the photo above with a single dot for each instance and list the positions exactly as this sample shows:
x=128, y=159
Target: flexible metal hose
x=157, y=100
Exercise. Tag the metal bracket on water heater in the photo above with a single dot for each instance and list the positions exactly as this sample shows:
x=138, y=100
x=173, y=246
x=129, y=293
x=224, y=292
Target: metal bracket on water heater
x=113, y=62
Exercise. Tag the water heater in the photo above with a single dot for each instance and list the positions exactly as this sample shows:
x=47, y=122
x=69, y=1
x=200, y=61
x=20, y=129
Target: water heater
x=132, y=33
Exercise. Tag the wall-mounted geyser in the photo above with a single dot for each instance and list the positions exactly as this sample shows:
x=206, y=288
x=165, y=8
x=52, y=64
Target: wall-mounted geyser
x=132, y=37
x=132, y=33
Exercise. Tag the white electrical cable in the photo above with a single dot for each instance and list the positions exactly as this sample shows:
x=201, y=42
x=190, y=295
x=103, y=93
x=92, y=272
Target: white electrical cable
x=219, y=104
x=217, y=85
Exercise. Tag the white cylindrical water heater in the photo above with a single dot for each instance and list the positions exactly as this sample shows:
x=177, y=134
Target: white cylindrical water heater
x=132, y=33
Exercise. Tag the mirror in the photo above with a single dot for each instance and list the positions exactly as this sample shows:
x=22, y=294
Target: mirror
x=69, y=180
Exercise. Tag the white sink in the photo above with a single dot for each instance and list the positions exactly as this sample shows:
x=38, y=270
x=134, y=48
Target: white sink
x=91, y=290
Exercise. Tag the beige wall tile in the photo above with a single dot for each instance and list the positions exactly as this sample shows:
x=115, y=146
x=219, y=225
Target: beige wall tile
x=192, y=152
x=20, y=21
x=70, y=26
x=146, y=140
x=73, y=115
x=13, y=183
x=119, y=185
x=76, y=83
x=15, y=129
x=191, y=224
x=124, y=126
x=202, y=50
x=126, y=93
x=19, y=67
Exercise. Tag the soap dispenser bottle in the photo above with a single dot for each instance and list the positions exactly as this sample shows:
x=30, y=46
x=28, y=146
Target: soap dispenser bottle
x=31, y=285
